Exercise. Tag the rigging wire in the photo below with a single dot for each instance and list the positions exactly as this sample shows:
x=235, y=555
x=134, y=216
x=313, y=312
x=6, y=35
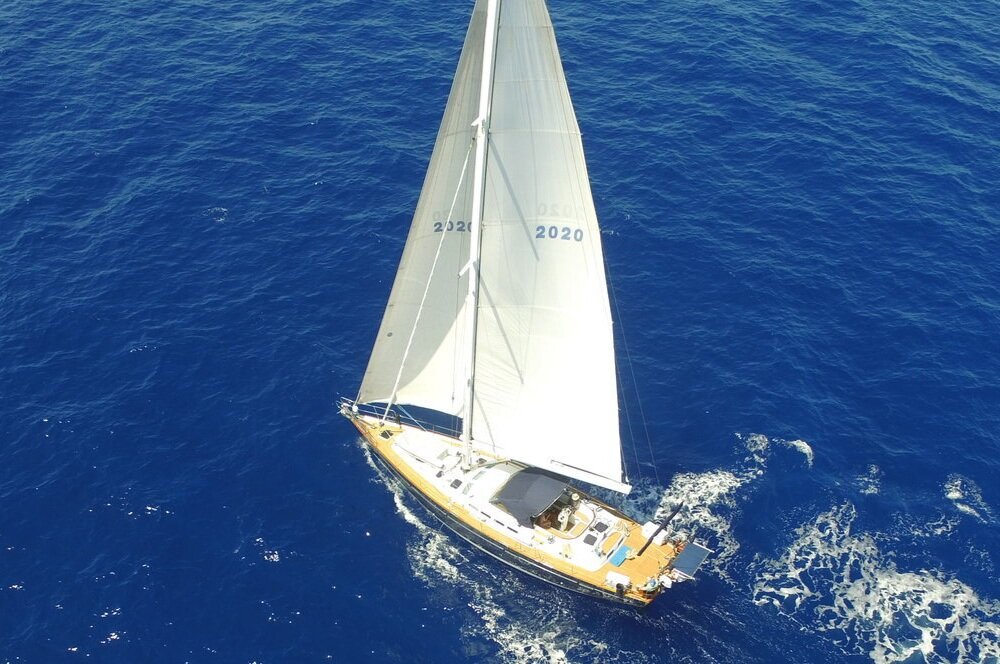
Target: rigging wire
x=635, y=384
x=618, y=377
x=628, y=421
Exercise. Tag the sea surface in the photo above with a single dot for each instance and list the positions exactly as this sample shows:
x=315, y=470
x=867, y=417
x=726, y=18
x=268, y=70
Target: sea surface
x=202, y=205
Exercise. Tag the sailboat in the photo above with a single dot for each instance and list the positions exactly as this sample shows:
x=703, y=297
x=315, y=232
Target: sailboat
x=491, y=388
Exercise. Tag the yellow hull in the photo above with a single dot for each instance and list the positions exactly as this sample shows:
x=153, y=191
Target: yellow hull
x=550, y=553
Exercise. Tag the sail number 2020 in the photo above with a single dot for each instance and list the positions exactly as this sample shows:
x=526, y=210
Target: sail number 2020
x=541, y=232
x=460, y=226
x=558, y=233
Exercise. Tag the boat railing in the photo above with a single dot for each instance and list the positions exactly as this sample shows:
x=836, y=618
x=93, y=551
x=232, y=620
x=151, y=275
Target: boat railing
x=397, y=415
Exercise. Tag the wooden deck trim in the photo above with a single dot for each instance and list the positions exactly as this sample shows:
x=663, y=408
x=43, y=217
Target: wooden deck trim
x=638, y=569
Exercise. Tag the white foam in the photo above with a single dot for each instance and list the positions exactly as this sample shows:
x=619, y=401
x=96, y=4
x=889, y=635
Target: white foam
x=871, y=482
x=759, y=447
x=217, y=214
x=709, y=507
x=710, y=501
x=939, y=527
x=547, y=634
x=980, y=559
x=801, y=446
x=838, y=582
x=140, y=347
x=966, y=496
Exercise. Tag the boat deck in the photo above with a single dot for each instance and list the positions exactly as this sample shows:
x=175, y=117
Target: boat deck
x=597, y=547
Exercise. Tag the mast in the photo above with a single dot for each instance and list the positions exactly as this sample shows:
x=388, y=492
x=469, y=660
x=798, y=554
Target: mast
x=482, y=125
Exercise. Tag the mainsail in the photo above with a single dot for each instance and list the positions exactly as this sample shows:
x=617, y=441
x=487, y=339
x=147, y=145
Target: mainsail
x=544, y=389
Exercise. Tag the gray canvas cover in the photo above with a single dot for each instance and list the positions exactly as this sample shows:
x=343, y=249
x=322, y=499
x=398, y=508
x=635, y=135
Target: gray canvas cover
x=529, y=493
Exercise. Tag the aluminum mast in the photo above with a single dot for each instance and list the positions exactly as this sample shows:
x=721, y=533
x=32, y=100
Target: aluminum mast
x=482, y=124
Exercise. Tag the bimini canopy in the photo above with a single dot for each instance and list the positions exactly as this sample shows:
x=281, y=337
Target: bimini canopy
x=529, y=493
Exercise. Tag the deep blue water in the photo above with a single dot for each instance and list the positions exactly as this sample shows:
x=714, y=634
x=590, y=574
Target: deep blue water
x=201, y=209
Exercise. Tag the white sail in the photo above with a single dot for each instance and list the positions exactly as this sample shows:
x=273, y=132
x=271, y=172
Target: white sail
x=545, y=382
x=544, y=375
x=433, y=374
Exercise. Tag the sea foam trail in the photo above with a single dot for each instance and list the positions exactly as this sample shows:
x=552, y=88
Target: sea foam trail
x=838, y=582
x=546, y=633
x=711, y=499
x=709, y=509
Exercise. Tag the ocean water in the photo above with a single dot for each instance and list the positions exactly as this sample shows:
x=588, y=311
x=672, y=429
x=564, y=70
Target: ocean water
x=201, y=209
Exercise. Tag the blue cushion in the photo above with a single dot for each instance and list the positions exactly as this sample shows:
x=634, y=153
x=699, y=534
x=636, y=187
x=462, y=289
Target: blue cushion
x=619, y=555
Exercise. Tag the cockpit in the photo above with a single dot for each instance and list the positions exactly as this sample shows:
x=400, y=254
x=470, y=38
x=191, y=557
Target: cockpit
x=539, y=498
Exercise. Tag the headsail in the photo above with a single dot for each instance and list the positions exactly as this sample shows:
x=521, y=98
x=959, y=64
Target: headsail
x=545, y=369
x=433, y=375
